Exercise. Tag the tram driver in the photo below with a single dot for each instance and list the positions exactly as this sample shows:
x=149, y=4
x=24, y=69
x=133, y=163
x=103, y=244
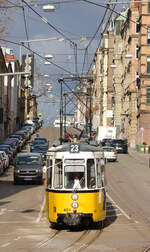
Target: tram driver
x=76, y=180
x=76, y=184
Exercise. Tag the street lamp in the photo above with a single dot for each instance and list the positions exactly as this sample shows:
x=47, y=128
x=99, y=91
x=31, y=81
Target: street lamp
x=47, y=63
x=48, y=56
x=48, y=8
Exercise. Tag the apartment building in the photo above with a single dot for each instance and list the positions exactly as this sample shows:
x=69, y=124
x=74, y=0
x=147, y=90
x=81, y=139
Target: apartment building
x=122, y=62
x=143, y=104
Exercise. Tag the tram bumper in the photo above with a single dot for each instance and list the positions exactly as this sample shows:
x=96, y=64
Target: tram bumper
x=74, y=219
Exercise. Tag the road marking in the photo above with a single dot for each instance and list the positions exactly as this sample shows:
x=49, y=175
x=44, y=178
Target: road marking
x=121, y=210
x=3, y=211
x=5, y=245
x=16, y=222
x=41, y=211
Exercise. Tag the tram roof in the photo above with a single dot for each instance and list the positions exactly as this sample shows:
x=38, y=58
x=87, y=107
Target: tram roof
x=84, y=147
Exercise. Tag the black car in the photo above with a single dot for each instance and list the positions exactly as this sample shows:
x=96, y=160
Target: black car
x=106, y=141
x=28, y=167
x=120, y=145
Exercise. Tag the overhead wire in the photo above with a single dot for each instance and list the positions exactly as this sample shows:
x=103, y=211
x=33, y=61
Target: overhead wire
x=25, y=23
x=48, y=23
x=37, y=54
x=114, y=11
x=86, y=50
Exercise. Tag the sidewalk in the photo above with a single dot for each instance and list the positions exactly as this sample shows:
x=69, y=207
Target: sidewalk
x=142, y=158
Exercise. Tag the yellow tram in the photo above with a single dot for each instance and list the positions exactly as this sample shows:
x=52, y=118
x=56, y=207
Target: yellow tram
x=75, y=184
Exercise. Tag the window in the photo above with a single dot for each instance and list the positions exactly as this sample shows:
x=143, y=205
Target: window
x=58, y=174
x=148, y=35
x=148, y=6
x=137, y=80
x=137, y=26
x=91, y=182
x=148, y=64
x=49, y=173
x=98, y=169
x=137, y=52
x=148, y=95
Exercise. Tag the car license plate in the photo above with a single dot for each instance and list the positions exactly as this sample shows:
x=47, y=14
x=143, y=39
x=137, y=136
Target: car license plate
x=27, y=178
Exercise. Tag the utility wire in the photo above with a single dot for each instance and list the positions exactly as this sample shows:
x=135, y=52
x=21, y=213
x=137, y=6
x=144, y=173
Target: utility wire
x=25, y=23
x=116, y=12
x=86, y=50
x=37, y=54
x=46, y=21
x=103, y=32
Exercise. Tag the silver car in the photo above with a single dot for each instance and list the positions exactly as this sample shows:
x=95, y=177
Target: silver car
x=110, y=153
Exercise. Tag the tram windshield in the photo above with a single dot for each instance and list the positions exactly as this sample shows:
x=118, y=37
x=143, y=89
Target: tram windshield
x=74, y=176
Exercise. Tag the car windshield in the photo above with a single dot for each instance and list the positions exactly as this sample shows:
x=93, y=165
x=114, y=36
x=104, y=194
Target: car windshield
x=39, y=141
x=28, y=160
x=109, y=149
x=117, y=141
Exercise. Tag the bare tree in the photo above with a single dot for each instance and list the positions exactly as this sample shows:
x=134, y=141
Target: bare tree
x=6, y=8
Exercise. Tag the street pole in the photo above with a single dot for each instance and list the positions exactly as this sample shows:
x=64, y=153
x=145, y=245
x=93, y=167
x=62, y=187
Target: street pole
x=90, y=109
x=65, y=131
x=61, y=109
x=86, y=114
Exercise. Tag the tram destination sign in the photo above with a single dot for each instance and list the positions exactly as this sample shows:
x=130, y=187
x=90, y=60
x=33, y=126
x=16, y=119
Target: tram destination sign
x=74, y=148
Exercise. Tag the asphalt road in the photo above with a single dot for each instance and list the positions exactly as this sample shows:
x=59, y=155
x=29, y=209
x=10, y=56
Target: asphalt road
x=24, y=227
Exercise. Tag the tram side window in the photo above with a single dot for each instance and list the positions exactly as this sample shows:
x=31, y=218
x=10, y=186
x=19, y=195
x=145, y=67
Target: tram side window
x=91, y=182
x=49, y=173
x=102, y=165
x=58, y=174
x=98, y=169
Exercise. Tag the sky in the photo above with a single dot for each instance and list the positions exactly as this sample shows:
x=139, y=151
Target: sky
x=76, y=21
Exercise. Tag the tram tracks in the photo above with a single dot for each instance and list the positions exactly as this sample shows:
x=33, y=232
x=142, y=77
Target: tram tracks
x=86, y=238
x=84, y=241
x=52, y=235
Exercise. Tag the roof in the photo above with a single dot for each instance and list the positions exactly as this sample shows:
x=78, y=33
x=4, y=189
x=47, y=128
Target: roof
x=9, y=57
x=83, y=147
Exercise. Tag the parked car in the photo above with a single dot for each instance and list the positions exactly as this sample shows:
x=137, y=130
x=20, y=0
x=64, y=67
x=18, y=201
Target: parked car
x=28, y=167
x=106, y=141
x=8, y=151
x=1, y=167
x=110, y=153
x=19, y=138
x=12, y=147
x=5, y=159
x=120, y=145
x=23, y=135
x=39, y=145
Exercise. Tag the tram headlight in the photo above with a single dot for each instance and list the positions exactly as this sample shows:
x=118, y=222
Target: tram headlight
x=74, y=205
x=74, y=196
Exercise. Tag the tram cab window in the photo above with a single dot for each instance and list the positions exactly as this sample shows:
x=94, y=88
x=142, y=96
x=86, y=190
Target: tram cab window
x=74, y=177
x=91, y=181
x=58, y=174
x=49, y=172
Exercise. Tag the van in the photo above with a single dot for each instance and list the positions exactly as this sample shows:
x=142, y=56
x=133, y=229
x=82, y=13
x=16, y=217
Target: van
x=28, y=167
